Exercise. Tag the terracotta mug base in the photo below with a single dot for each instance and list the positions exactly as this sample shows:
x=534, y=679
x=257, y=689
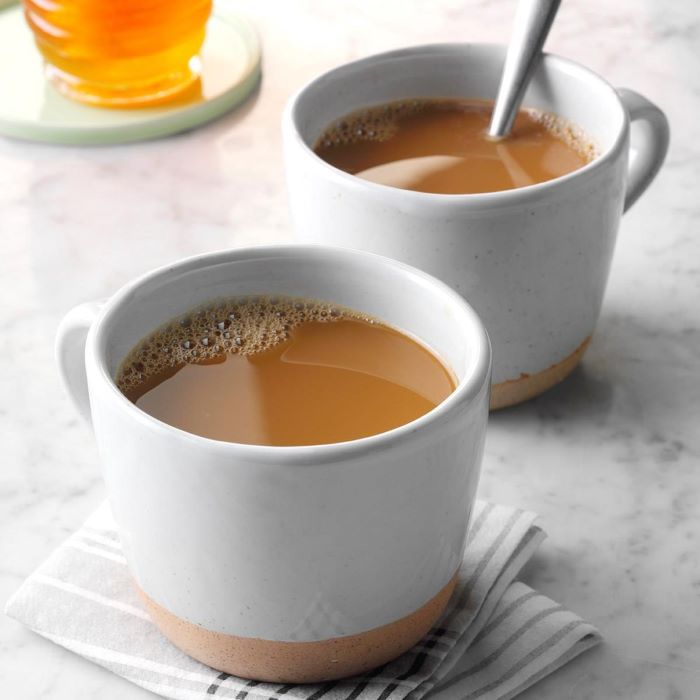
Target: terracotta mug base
x=515, y=391
x=300, y=662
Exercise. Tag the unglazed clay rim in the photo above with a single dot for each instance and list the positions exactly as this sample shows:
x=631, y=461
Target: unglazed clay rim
x=301, y=662
x=514, y=391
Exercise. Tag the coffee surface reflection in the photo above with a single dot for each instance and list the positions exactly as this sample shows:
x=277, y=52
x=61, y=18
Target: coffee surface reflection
x=442, y=146
x=283, y=371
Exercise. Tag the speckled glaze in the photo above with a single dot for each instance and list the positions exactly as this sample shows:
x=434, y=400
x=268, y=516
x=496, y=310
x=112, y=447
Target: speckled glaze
x=533, y=261
x=246, y=551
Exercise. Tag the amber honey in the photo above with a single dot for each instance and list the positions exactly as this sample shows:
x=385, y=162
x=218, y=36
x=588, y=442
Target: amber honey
x=119, y=53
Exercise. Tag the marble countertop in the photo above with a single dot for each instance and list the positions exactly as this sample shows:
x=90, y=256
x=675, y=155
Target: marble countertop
x=610, y=458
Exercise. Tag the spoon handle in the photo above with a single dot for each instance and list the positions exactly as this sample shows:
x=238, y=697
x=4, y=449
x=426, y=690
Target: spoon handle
x=533, y=20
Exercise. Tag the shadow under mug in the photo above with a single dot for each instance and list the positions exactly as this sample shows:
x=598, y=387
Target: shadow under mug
x=533, y=261
x=288, y=564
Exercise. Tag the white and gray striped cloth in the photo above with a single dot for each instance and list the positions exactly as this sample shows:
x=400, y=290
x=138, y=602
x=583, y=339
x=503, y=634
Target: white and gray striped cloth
x=496, y=638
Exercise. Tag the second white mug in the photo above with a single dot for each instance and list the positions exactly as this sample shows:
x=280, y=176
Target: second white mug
x=533, y=261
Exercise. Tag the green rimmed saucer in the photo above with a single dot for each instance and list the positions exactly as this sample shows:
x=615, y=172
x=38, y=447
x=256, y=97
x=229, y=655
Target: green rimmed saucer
x=32, y=109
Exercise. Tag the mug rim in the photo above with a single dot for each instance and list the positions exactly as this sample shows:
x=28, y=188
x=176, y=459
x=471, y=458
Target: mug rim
x=481, y=200
x=466, y=391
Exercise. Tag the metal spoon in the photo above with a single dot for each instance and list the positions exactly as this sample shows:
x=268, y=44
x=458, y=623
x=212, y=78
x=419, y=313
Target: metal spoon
x=533, y=20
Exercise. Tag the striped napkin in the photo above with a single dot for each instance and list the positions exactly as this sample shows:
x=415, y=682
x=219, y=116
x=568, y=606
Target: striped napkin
x=496, y=638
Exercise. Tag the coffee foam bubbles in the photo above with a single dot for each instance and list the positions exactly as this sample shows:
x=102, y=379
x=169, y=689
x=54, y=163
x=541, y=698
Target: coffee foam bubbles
x=372, y=124
x=380, y=123
x=239, y=326
x=568, y=132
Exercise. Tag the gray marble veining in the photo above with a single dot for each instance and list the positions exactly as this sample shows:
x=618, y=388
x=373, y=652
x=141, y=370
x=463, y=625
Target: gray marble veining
x=610, y=458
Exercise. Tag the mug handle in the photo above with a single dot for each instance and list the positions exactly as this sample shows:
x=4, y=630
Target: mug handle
x=70, y=353
x=651, y=147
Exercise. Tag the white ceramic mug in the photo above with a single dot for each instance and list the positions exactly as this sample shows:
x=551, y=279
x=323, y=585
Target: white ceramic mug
x=532, y=261
x=288, y=563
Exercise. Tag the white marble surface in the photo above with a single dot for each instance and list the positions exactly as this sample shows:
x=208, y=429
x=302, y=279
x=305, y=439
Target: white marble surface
x=611, y=458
